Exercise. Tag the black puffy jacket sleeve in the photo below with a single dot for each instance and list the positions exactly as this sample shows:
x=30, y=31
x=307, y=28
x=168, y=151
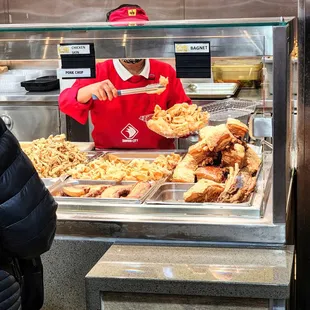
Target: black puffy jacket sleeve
x=27, y=210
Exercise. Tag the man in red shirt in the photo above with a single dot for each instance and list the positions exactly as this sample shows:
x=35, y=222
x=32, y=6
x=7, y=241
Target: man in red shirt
x=116, y=119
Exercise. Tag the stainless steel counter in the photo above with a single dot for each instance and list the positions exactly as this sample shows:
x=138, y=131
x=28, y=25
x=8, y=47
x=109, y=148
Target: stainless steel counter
x=181, y=271
x=109, y=223
x=51, y=96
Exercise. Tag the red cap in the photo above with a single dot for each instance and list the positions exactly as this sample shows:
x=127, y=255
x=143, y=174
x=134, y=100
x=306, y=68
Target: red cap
x=132, y=14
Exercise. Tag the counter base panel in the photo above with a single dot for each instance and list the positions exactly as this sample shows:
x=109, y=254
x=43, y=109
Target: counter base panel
x=118, y=301
x=65, y=267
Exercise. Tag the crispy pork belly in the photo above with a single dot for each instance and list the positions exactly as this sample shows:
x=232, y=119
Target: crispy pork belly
x=117, y=191
x=75, y=190
x=139, y=190
x=211, y=173
x=185, y=170
x=96, y=190
x=239, y=186
x=204, y=191
x=252, y=160
x=199, y=151
x=217, y=138
x=234, y=155
x=237, y=128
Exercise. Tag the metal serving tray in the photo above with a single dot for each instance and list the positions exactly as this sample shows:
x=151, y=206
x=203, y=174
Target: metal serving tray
x=49, y=182
x=211, y=90
x=171, y=196
x=81, y=200
x=146, y=155
x=92, y=155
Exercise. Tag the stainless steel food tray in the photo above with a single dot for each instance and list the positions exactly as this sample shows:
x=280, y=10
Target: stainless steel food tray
x=170, y=195
x=87, y=200
x=211, y=90
x=49, y=182
x=146, y=155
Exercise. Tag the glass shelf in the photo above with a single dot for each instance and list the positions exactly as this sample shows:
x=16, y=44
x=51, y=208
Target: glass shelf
x=173, y=24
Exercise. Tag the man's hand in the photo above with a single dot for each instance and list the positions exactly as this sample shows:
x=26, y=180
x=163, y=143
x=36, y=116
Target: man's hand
x=104, y=90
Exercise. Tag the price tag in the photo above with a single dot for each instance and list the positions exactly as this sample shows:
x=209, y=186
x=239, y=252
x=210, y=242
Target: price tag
x=74, y=73
x=181, y=48
x=74, y=49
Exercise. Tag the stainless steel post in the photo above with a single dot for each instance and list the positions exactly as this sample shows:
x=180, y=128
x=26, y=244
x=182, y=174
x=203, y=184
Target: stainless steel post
x=281, y=120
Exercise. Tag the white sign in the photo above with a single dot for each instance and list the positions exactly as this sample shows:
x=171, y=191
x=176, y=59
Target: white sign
x=191, y=48
x=81, y=49
x=73, y=73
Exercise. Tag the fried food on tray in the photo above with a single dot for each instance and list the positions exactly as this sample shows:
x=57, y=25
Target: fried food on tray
x=252, y=161
x=135, y=191
x=185, y=170
x=239, y=186
x=167, y=161
x=235, y=154
x=204, y=191
x=222, y=157
x=75, y=191
x=117, y=191
x=237, y=128
x=54, y=156
x=216, y=174
x=199, y=151
x=178, y=121
x=113, y=168
x=217, y=138
x=139, y=190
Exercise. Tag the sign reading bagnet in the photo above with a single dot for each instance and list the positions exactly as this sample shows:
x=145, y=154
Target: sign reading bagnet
x=193, y=59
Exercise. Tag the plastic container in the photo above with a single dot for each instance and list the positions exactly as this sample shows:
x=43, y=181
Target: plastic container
x=246, y=72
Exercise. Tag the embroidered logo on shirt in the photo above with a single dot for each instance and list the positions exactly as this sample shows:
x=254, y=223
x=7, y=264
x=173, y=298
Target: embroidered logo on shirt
x=129, y=132
x=132, y=12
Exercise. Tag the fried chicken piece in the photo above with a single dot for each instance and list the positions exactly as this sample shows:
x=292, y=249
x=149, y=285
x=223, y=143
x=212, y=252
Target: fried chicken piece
x=204, y=191
x=216, y=137
x=185, y=170
x=216, y=174
x=139, y=190
x=235, y=154
x=252, y=160
x=237, y=128
x=239, y=186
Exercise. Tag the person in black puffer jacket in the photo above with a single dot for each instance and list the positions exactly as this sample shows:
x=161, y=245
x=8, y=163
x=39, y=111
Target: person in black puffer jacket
x=27, y=227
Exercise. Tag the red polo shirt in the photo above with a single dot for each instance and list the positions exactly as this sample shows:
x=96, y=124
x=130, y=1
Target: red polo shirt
x=116, y=123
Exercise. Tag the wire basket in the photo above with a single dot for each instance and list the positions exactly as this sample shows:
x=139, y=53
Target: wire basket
x=221, y=110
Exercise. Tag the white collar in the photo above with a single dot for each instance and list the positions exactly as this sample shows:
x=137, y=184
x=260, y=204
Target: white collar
x=125, y=75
